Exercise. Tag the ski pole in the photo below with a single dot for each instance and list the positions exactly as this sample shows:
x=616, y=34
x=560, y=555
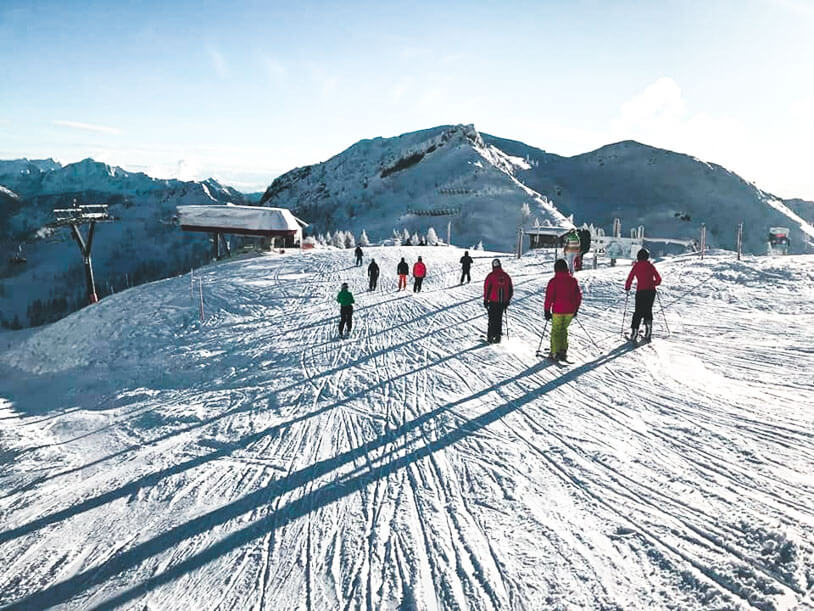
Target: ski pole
x=585, y=331
x=540, y=345
x=666, y=326
x=506, y=317
x=624, y=314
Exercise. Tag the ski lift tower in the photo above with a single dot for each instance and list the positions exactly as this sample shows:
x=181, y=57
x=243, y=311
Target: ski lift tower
x=78, y=215
x=450, y=211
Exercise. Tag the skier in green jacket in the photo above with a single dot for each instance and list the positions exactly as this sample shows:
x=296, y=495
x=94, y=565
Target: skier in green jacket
x=345, y=299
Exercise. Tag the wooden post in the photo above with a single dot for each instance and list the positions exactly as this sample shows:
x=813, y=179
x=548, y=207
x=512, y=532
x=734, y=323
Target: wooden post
x=740, y=239
x=449, y=233
x=703, y=239
x=200, y=288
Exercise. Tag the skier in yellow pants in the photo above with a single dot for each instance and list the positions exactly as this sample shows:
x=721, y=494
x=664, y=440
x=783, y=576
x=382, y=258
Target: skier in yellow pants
x=562, y=301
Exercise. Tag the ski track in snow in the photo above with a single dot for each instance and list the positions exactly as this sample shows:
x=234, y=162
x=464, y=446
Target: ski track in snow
x=256, y=461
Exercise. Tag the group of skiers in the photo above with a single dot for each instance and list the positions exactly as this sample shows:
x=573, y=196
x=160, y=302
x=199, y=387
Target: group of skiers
x=563, y=296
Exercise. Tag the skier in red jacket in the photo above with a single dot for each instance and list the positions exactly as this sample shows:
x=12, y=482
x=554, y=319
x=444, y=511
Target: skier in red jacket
x=562, y=301
x=497, y=294
x=647, y=279
x=419, y=273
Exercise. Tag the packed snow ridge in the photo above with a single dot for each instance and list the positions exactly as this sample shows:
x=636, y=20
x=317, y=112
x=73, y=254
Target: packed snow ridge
x=253, y=460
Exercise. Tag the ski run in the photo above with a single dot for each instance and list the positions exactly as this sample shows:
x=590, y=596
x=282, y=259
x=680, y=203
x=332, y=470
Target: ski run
x=254, y=461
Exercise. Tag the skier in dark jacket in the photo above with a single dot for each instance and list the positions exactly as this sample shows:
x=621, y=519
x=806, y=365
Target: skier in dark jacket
x=497, y=294
x=402, y=270
x=345, y=299
x=358, y=253
x=466, y=263
x=647, y=279
x=373, y=274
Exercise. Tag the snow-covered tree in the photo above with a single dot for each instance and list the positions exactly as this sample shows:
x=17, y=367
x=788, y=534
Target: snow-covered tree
x=329, y=238
x=525, y=213
x=339, y=239
x=363, y=241
x=415, y=239
x=350, y=240
x=479, y=246
x=405, y=235
x=432, y=237
x=321, y=240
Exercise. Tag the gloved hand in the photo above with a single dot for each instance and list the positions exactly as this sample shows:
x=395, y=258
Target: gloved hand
x=575, y=314
x=485, y=303
x=547, y=315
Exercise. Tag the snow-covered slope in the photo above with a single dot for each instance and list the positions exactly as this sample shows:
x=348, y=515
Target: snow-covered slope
x=254, y=461
x=141, y=245
x=671, y=194
x=373, y=184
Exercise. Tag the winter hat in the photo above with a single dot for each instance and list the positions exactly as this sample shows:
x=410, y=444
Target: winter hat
x=643, y=255
x=495, y=262
x=419, y=258
x=466, y=252
x=560, y=265
x=344, y=285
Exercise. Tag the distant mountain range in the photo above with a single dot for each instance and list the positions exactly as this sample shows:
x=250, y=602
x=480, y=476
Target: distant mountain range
x=488, y=185
x=376, y=184
x=141, y=245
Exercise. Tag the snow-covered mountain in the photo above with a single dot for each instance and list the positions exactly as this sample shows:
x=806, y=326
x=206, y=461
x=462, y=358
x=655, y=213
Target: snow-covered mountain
x=141, y=245
x=373, y=184
x=149, y=460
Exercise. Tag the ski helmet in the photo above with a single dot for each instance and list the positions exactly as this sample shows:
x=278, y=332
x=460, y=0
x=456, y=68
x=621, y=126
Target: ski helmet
x=560, y=265
x=495, y=262
x=643, y=255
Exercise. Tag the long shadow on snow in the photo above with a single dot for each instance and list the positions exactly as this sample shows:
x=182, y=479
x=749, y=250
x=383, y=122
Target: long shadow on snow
x=318, y=498
x=154, y=478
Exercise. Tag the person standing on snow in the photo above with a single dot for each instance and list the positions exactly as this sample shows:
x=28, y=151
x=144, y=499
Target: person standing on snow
x=402, y=269
x=373, y=274
x=647, y=279
x=497, y=294
x=345, y=299
x=562, y=301
x=466, y=263
x=419, y=273
x=571, y=249
x=358, y=253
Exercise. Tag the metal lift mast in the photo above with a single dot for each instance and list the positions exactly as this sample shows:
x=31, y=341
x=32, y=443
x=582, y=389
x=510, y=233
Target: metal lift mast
x=83, y=215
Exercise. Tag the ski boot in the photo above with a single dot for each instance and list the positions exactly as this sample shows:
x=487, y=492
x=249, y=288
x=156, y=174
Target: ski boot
x=648, y=329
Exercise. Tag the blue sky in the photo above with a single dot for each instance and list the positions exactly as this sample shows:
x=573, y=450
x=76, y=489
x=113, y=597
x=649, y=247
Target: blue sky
x=244, y=91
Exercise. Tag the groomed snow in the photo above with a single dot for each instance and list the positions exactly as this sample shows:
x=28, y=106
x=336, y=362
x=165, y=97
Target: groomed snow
x=254, y=461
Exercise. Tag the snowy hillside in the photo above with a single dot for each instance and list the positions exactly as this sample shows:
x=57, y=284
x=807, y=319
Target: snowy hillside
x=141, y=245
x=254, y=461
x=669, y=193
x=372, y=184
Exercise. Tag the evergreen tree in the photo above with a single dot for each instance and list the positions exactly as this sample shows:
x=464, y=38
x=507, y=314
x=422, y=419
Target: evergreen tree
x=432, y=237
x=363, y=240
x=415, y=239
x=350, y=240
x=338, y=240
x=405, y=235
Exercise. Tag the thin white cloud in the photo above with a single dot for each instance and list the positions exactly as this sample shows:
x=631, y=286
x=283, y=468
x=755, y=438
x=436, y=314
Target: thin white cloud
x=91, y=127
x=275, y=70
x=398, y=90
x=218, y=62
